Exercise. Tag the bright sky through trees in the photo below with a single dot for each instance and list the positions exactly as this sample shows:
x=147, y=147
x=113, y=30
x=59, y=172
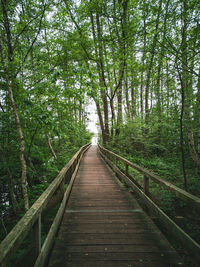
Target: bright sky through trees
x=92, y=117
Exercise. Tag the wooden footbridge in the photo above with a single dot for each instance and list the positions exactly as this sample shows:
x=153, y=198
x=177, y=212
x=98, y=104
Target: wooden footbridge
x=99, y=222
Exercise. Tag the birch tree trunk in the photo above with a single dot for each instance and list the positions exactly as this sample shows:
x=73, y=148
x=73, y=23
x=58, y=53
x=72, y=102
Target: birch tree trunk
x=51, y=147
x=19, y=130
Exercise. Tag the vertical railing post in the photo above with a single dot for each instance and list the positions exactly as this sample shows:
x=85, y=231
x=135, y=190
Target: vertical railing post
x=116, y=161
x=126, y=169
x=36, y=238
x=146, y=185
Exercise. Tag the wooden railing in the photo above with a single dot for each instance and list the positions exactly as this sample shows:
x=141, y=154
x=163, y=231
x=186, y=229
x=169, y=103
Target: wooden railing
x=31, y=221
x=146, y=198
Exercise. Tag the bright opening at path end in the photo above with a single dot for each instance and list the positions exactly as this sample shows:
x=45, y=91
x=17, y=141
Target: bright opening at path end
x=92, y=117
x=94, y=140
x=92, y=121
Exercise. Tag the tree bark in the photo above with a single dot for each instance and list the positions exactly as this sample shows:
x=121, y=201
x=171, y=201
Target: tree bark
x=127, y=96
x=51, y=147
x=19, y=130
x=159, y=73
x=122, y=44
x=181, y=134
x=102, y=81
x=119, y=110
x=198, y=114
x=101, y=122
x=147, y=87
x=133, y=98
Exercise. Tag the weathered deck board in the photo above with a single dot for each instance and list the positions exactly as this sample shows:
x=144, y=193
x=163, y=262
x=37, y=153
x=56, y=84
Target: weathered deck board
x=103, y=225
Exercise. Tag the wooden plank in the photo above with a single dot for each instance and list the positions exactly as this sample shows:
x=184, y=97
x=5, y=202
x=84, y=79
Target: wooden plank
x=110, y=248
x=134, y=256
x=36, y=239
x=106, y=263
x=146, y=185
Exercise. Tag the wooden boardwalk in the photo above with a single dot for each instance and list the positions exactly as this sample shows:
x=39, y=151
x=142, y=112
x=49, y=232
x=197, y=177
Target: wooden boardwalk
x=103, y=225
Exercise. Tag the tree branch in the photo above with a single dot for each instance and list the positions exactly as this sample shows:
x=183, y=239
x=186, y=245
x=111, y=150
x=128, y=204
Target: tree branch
x=38, y=32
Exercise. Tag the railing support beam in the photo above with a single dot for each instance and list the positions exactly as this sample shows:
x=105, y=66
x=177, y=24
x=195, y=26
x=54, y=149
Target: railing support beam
x=126, y=169
x=36, y=238
x=146, y=185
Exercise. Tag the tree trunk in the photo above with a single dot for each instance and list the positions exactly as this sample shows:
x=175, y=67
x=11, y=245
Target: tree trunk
x=147, y=88
x=19, y=130
x=112, y=116
x=122, y=44
x=119, y=110
x=133, y=99
x=51, y=147
x=102, y=81
x=181, y=136
x=101, y=122
x=159, y=72
x=198, y=114
x=100, y=67
x=127, y=96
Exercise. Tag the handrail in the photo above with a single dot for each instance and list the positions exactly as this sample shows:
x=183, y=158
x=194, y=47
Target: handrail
x=164, y=221
x=180, y=193
x=32, y=218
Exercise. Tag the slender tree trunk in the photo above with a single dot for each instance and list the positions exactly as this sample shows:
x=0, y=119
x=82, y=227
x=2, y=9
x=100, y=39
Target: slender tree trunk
x=133, y=102
x=182, y=138
x=198, y=114
x=148, y=81
x=127, y=96
x=111, y=99
x=102, y=79
x=143, y=70
x=101, y=122
x=122, y=43
x=168, y=90
x=133, y=98
x=112, y=116
x=80, y=112
x=19, y=129
x=51, y=147
x=160, y=65
x=100, y=67
x=119, y=111
x=141, y=95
